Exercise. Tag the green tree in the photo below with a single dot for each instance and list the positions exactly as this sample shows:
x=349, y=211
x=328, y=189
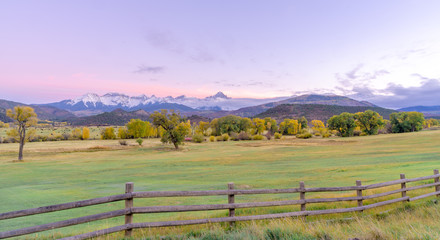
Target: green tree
x=406, y=122
x=245, y=124
x=303, y=122
x=136, y=128
x=271, y=125
x=175, y=129
x=343, y=123
x=215, y=129
x=24, y=117
x=228, y=124
x=369, y=121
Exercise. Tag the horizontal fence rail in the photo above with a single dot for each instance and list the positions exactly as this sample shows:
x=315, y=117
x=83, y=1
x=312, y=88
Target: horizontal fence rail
x=130, y=210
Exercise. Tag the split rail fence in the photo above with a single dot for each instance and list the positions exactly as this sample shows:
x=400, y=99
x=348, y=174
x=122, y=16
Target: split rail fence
x=130, y=210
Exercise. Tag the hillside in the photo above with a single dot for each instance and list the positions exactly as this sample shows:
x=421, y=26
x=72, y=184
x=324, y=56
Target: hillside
x=317, y=111
x=429, y=111
x=117, y=117
x=43, y=112
x=3, y=116
x=325, y=100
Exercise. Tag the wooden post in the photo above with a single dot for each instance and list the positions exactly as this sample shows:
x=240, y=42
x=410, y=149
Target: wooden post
x=359, y=194
x=128, y=205
x=403, y=185
x=302, y=195
x=231, y=199
x=437, y=188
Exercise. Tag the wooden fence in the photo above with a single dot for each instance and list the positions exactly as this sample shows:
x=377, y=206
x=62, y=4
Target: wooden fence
x=129, y=210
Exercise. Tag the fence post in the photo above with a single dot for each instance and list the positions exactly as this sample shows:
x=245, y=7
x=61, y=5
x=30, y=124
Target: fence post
x=302, y=195
x=437, y=188
x=359, y=194
x=128, y=205
x=403, y=185
x=231, y=200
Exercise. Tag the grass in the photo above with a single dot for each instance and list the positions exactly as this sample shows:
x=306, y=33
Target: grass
x=58, y=172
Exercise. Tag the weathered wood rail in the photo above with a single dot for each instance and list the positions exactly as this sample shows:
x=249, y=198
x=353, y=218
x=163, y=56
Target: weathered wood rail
x=231, y=192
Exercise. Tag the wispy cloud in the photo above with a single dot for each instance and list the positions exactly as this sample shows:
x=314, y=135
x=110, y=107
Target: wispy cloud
x=168, y=42
x=149, y=69
x=357, y=76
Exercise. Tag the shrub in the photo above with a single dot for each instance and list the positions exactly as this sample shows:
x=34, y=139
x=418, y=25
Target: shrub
x=140, y=141
x=76, y=133
x=357, y=133
x=278, y=135
x=123, y=142
x=234, y=136
x=244, y=136
x=326, y=135
x=257, y=137
x=219, y=138
x=66, y=136
x=225, y=137
x=58, y=137
x=317, y=134
x=198, y=138
x=211, y=138
x=304, y=135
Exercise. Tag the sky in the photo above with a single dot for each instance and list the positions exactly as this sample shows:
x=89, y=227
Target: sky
x=385, y=52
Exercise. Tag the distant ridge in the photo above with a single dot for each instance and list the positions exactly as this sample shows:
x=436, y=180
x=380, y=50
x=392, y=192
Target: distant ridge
x=117, y=117
x=325, y=100
x=429, y=111
x=318, y=111
x=43, y=112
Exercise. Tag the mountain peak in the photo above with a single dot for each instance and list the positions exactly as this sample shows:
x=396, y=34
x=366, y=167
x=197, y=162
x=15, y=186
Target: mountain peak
x=219, y=95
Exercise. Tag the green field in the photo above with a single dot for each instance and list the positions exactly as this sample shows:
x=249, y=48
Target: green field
x=57, y=172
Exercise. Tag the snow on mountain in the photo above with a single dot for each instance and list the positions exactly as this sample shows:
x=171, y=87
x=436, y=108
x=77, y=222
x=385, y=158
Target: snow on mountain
x=111, y=101
x=92, y=98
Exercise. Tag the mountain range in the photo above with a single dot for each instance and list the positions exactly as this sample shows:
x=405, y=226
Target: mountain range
x=92, y=104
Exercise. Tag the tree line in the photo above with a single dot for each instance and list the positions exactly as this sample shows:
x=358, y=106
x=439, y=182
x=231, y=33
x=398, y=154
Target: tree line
x=172, y=128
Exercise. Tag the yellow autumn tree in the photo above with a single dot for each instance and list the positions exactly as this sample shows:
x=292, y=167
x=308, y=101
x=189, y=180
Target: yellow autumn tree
x=85, y=133
x=24, y=117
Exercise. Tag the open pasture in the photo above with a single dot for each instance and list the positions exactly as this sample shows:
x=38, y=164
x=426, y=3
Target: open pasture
x=58, y=172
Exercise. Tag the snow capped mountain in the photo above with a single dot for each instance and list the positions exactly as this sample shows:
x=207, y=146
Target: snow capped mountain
x=92, y=103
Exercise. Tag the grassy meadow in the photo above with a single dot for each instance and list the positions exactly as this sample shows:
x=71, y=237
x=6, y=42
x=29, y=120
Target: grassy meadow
x=65, y=171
